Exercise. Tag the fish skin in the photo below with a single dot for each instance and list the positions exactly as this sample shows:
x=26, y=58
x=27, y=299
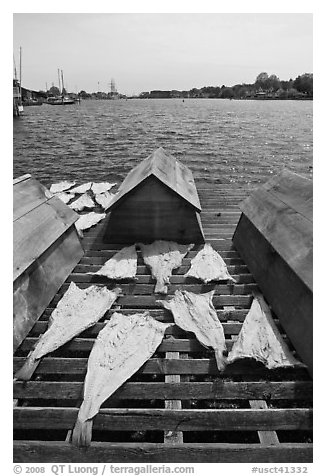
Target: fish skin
x=87, y=221
x=61, y=186
x=82, y=188
x=121, y=348
x=84, y=201
x=196, y=313
x=65, y=196
x=260, y=339
x=100, y=187
x=104, y=199
x=122, y=265
x=208, y=265
x=81, y=309
x=162, y=257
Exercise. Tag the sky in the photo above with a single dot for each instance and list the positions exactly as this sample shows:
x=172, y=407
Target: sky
x=146, y=51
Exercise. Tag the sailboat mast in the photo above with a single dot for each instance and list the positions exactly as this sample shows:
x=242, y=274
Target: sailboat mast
x=59, y=80
x=20, y=70
x=15, y=69
x=62, y=82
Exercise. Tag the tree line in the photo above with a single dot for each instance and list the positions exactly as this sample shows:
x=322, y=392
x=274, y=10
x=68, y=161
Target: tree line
x=265, y=87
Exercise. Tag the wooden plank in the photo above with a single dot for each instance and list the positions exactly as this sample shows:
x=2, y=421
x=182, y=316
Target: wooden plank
x=35, y=288
x=136, y=288
x=127, y=419
x=21, y=178
x=28, y=194
x=35, y=232
x=78, y=366
x=265, y=437
x=63, y=452
x=295, y=307
x=217, y=389
x=172, y=436
x=224, y=244
x=159, y=314
x=170, y=345
x=243, y=301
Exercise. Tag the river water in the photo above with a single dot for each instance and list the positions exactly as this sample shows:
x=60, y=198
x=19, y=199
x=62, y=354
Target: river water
x=222, y=141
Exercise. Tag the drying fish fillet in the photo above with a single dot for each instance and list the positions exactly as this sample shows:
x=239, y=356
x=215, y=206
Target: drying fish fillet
x=196, y=313
x=101, y=187
x=122, y=265
x=61, y=186
x=121, y=348
x=78, y=310
x=65, y=197
x=208, y=265
x=260, y=339
x=85, y=201
x=87, y=221
x=104, y=199
x=162, y=257
x=82, y=188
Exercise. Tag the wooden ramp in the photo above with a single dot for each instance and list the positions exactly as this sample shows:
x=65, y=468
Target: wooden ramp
x=178, y=407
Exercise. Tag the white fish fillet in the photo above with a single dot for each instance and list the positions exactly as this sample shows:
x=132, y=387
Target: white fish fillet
x=208, y=266
x=101, y=187
x=78, y=310
x=260, y=339
x=162, y=257
x=104, y=199
x=196, y=313
x=82, y=188
x=65, y=197
x=87, y=221
x=122, y=265
x=121, y=348
x=85, y=201
x=61, y=186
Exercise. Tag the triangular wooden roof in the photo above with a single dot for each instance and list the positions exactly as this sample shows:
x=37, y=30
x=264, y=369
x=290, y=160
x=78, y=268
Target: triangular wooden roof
x=168, y=170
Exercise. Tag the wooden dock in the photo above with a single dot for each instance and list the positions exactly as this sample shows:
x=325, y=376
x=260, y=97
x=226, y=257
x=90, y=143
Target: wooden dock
x=177, y=407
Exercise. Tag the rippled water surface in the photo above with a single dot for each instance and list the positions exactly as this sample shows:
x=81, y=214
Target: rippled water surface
x=220, y=140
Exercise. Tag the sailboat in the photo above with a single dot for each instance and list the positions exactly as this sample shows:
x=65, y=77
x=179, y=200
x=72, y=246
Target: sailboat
x=63, y=99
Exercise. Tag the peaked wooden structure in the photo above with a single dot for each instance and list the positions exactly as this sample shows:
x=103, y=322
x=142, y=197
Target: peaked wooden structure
x=157, y=200
x=46, y=249
x=274, y=236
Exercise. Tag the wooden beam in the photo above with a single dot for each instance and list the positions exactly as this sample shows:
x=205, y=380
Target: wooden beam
x=171, y=436
x=63, y=452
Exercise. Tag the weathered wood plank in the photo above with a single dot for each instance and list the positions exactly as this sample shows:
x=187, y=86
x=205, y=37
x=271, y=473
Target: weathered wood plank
x=136, y=288
x=172, y=436
x=78, y=366
x=52, y=451
x=243, y=301
x=162, y=419
x=28, y=194
x=265, y=437
x=218, y=389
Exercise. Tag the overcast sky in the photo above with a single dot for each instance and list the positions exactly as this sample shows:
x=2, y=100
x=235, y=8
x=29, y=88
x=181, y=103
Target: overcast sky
x=145, y=51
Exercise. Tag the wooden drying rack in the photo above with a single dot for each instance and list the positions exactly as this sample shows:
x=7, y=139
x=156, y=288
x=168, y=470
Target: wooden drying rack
x=178, y=407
